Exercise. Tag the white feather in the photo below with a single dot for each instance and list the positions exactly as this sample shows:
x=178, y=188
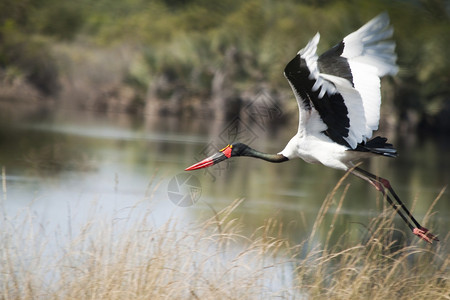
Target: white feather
x=368, y=46
x=310, y=56
x=371, y=56
x=367, y=83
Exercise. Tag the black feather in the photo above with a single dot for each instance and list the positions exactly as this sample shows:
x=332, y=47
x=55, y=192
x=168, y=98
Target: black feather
x=331, y=62
x=377, y=145
x=331, y=108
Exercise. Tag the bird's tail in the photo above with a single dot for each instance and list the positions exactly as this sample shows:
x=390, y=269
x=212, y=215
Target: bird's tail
x=378, y=145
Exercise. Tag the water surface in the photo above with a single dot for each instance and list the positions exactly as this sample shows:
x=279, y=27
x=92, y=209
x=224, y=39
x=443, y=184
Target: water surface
x=62, y=163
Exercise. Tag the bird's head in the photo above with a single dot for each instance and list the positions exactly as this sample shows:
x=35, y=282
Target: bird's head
x=235, y=149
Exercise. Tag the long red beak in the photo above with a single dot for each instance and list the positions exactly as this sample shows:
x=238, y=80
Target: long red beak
x=208, y=162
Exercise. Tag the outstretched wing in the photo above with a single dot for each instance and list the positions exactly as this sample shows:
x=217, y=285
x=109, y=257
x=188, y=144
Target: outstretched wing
x=342, y=86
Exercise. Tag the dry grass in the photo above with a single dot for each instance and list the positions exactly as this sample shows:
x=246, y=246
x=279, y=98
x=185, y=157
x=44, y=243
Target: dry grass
x=126, y=259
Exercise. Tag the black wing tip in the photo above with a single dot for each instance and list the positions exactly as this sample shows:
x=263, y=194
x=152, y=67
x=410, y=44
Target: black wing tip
x=378, y=145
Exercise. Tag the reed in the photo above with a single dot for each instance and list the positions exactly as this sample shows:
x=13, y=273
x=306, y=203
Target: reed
x=132, y=258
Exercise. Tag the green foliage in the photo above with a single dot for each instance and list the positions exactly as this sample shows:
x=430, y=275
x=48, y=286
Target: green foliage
x=28, y=56
x=26, y=32
x=187, y=42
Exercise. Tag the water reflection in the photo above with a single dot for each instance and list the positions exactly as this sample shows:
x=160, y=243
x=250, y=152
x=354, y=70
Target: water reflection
x=63, y=162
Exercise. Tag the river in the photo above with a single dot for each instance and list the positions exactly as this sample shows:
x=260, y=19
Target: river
x=59, y=164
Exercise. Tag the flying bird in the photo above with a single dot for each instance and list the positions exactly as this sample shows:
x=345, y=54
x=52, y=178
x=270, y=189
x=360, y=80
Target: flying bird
x=338, y=96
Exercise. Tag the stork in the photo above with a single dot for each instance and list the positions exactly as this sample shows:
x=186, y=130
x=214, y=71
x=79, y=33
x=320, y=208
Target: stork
x=338, y=96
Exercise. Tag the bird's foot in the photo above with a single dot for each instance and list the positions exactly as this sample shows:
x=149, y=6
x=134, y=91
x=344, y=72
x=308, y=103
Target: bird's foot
x=425, y=235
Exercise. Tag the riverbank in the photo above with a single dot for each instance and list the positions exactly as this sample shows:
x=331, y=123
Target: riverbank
x=195, y=58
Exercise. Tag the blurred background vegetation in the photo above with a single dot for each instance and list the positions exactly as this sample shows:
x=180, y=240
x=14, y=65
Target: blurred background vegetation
x=200, y=57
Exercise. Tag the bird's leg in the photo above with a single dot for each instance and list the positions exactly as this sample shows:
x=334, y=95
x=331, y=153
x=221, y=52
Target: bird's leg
x=386, y=184
x=381, y=184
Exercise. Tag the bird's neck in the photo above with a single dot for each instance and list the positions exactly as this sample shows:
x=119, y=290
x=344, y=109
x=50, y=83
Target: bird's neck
x=274, y=158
